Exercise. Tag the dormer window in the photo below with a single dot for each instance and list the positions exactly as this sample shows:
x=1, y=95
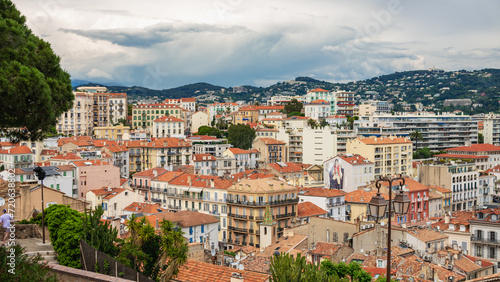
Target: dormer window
x=462, y=228
x=480, y=215
x=451, y=227
x=494, y=217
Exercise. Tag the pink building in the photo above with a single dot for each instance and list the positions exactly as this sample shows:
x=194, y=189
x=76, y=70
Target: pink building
x=95, y=174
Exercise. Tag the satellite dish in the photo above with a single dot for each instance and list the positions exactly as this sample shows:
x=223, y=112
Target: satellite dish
x=241, y=267
x=212, y=252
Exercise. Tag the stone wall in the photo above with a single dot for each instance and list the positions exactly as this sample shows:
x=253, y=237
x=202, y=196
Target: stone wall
x=68, y=274
x=24, y=231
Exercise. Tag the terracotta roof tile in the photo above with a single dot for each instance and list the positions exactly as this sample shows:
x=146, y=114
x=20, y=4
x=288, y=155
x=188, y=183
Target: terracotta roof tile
x=168, y=142
x=203, y=157
x=289, y=167
x=306, y=209
x=271, y=141
x=362, y=196
x=318, y=90
x=17, y=150
x=168, y=119
x=238, y=151
x=459, y=156
x=187, y=218
x=325, y=249
x=427, y=235
x=150, y=173
x=322, y=192
x=68, y=156
x=355, y=159
x=197, y=271
x=144, y=208
x=476, y=148
x=384, y=140
x=91, y=162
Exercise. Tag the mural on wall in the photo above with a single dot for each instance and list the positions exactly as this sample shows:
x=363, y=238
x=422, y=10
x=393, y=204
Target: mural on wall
x=336, y=175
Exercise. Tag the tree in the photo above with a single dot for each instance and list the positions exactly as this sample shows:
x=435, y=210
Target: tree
x=417, y=136
x=158, y=256
x=293, y=106
x=210, y=131
x=129, y=109
x=121, y=121
x=312, y=123
x=35, y=90
x=480, y=138
x=423, y=153
x=323, y=123
x=285, y=268
x=240, y=136
x=98, y=234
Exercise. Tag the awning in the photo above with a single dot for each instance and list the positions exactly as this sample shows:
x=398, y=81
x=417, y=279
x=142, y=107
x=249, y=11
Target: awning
x=196, y=190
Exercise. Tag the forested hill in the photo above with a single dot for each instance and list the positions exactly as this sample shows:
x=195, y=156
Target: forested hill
x=427, y=87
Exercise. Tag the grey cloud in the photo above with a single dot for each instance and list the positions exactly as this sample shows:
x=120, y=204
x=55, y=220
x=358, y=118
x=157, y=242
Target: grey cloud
x=155, y=34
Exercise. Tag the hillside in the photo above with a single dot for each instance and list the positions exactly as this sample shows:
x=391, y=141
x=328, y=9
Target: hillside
x=427, y=87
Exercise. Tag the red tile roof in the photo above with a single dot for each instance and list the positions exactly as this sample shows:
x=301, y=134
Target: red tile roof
x=459, y=156
x=202, y=137
x=306, y=209
x=237, y=151
x=362, y=196
x=203, y=157
x=150, y=173
x=275, y=107
x=476, y=148
x=355, y=159
x=187, y=218
x=144, y=208
x=92, y=162
x=17, y=150
x=197, y=271
x=168, y=142
x=102, y=143
x=325, y=249
x=168, y=119
x=289, y=167
x=117, y=148
x=321, y=101
x=169, y=175
x=250, y=174
x=384, y=140
x=68, y=156
x=411, y=185
x=203, y=181
x=318, y=90
x=322, y=192
x=271, y=141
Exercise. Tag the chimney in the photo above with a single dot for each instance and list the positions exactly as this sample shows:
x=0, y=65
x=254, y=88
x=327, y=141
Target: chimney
x=236, y=277
x=212, y=183
x=189, y=180
x=282, y=186
x=155, y=173
x=446, y=218
x=479, y=262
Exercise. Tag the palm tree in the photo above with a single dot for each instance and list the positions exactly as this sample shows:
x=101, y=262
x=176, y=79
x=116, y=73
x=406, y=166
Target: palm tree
x=416, y=135
x=312, y=123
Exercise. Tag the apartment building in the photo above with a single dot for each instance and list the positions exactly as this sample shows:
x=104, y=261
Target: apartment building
x=167, y=126
x=485, y=156
x=345, y=103
x=16, y=157
x=79, y=120
x=485, y=229
x=143, y=115
x=271, y=150
x=491, y=131
x=391, y=155
x=250, y=201
x=331, y=200
x=281, y=99
x=204, y=164
x=324, y=95
x=459, y=176
x=94, y=174
x=117, y=132
x=186, y=103
x=204, y=144
x=113, y=200
x=318, y=109
x=120, y=158
x=374, y=107
x=164, y=152
x=246, y=115
x=221, y=108
x=135, y=155
x=269, y=111
x=244, y=159
x=117, y=104
x=439, y=131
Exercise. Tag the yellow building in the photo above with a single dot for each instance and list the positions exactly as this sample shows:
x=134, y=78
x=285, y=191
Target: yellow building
x=117, y=132
x=391, y=155
x=164, y=152
x=144, y=115
x=271, y=150
x=357, y=205
x=246, y=115
x=247, y=203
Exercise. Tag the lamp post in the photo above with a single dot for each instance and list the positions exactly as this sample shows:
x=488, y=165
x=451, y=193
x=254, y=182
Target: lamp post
x=378, y=207
x=40, y=174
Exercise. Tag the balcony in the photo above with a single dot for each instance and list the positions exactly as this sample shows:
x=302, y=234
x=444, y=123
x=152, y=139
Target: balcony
x=335, y=204
x=484, y=240
x=246, y=203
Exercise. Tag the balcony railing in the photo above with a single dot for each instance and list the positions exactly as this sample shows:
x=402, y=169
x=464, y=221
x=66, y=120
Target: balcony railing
x=484, y=240
x=246, y=203
x=335, y=204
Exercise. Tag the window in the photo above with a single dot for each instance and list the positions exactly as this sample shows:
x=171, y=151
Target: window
x=191, y=230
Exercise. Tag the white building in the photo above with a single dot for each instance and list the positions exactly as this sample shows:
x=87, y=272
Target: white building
x=491, y=131
x=113, y=200
x=117, y=104
x=16, y=157
x=322, y=94
x=347, y=172
x=168, y=126
x=245, y=159
x=120, y=158
x=485, y=229
x=78, y=120
x=221, y=108
x=203, y=144
x=199, y=119
x=204, y=164
x=318, y=109
x=331, y=200
x=461, y=130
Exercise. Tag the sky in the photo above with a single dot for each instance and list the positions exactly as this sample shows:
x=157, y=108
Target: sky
x=163, y=43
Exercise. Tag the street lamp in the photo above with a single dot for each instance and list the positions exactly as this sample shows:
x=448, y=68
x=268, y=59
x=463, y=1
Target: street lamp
x=40, y=174
x=378, y=206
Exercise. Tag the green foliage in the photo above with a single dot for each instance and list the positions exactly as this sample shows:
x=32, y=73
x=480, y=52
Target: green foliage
x=417, y=136
x=296, y=114
x=284, y=267
x=35, y=90
x=312, y=123
x=67, y=245
x=106, y=267
x=27, y=268
x=480, y=138
x=121, y=121
x=293, y=106
x=210, y=131
x=100, y=234
x=241, y=136
x=56, y=216
x=96, y=267
x=323, y=123
x=423, y=153
x=230, y=253
x=158, y=256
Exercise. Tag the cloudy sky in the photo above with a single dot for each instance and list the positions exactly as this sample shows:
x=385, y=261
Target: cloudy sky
x=164, y=43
